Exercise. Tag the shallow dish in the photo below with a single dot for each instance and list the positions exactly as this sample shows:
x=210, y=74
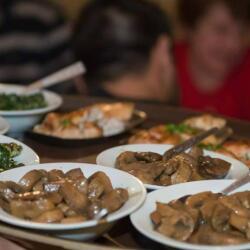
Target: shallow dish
x=21, y=120
x=27, y=156
x=142, y=222
x=89, y=228
x=4, y=126
x=108, y=157
x=137, y=119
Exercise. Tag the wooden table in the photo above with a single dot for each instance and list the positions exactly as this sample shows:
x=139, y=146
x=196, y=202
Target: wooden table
x=123, y=234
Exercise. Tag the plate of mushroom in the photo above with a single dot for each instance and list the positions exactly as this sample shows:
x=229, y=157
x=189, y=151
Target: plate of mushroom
x=146, y=162
x=68, y=199
x=196, y=216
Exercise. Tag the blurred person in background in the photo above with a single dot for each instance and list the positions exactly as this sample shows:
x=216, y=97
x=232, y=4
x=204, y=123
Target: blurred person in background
x=125, y=46
x=213, y=62
x=34, y=40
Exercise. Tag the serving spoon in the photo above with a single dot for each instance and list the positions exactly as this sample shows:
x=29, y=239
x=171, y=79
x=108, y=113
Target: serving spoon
x=236, y=184
x=59, y=76
x=103, y=213
x=189, y=143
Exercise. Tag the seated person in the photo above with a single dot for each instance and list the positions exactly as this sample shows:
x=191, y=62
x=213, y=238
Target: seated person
x=213, y=62
x=125, y=47
x=34, y=40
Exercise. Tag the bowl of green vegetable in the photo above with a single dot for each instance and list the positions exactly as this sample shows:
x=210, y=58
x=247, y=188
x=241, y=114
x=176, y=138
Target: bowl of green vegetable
x=14, y=153
x=24, y=111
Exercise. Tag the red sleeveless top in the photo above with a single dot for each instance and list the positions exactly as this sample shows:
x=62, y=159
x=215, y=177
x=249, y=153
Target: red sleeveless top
x=231, y=99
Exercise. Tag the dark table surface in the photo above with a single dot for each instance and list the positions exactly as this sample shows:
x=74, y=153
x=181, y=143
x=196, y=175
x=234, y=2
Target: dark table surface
x=122, y=234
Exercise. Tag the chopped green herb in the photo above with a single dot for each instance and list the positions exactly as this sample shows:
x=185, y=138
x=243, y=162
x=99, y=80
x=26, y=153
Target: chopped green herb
x=210, y=147
x=180, y=128
x=7, y=153
x=65, y=122
x=22, y=102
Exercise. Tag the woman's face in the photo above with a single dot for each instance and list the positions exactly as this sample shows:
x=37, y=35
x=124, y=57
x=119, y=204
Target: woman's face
x=216, y=41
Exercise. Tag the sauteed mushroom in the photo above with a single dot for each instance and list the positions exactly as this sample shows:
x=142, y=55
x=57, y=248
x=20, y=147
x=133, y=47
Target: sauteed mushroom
x=57, y=197
x=151, y=168
x=205, y=218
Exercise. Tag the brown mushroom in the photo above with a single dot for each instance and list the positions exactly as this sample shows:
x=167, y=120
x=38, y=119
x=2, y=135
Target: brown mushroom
x=51, y=216
x=98, y=184
x=213, y=167
x=114, y=199
x=175, y=223
x=75, y=174
x=75, y=199
x=55, y=175
x=29, y=179
x=30, y=209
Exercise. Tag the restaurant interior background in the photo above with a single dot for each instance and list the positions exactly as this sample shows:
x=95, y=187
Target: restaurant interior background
x=73, y=7
x=63, y=129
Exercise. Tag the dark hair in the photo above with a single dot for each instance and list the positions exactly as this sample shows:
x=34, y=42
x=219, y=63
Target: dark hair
x=190, y=11
x=115, y=37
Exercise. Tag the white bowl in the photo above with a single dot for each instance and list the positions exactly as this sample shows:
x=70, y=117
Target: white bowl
x=87, y=229
x=108, y=157
x=22, y=120
x=27, y=156
x=4, y=126
x=142, y=222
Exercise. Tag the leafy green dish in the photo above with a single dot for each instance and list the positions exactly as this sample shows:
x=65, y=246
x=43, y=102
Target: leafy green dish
x=8, y=151
x=22, y=102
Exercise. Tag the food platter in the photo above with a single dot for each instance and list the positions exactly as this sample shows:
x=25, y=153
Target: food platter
x=27, y=155
x=138, y=118
x=21, y=120
x=118, y=179
x=108, y=158
x=141, y=218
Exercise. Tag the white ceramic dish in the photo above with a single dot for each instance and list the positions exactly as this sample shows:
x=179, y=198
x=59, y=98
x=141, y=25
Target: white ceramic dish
x=88, y=229
x=4, y=126
x=27, y=156
x=142, y=222
x=108, y=157
x=25, y=119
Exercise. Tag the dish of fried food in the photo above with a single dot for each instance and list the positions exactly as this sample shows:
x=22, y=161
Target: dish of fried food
x=89, y=122
x=151, y=168
x=205, y=218
x=57, y=197
x=176, y=133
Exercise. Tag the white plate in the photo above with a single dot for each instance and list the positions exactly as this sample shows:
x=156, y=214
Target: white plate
x=27, y=156
x=118, y=179
x=142, y=222
x=108, y=157
x=21, y=120
x=4, y=126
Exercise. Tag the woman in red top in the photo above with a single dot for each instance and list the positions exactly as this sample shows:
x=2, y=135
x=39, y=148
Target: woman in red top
x=213, y=65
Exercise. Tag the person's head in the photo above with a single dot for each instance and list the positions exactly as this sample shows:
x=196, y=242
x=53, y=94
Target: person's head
x=215, y=31
x=115, y=38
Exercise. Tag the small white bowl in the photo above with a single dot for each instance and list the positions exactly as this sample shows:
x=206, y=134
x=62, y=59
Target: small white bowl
x=27, y=156
x=142, y=222
x=4, y=126
x=22, y=120
x=87, y=229
x=108, y=157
